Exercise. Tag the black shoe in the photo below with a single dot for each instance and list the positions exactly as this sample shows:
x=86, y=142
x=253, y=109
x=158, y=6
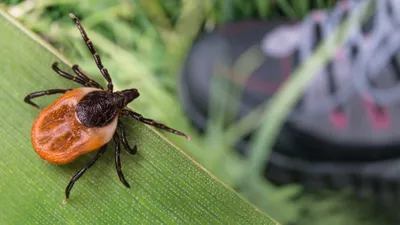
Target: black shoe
x=344, y=132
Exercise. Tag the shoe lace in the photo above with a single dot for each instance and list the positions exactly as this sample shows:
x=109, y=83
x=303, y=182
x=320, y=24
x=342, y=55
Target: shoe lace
x=381, y=52
x=333, y=80
x=372, y=46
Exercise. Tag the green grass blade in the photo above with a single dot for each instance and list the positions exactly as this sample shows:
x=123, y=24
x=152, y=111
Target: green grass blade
x=167, y=186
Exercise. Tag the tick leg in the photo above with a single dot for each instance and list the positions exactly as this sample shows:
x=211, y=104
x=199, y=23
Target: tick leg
x=83, y=170
x=96, y=56
x=67, y=75
x=118, y=161
x=28, y=98
x=84, y=77
x=130, y=150
x=138, y=117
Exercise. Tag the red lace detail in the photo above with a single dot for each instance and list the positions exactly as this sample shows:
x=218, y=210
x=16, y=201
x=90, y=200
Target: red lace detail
x=338, y=119
x=380, y=118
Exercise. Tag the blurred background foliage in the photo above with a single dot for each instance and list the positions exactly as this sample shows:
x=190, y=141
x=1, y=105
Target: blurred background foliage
x=143, y=44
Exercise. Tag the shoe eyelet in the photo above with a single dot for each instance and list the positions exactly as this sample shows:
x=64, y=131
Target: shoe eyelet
x=338, y=119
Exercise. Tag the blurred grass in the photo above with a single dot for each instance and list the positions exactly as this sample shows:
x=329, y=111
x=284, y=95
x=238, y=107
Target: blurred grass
x=143, y=44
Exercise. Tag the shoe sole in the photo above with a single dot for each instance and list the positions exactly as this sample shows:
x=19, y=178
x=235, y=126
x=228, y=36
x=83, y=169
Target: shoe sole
x=366, y=179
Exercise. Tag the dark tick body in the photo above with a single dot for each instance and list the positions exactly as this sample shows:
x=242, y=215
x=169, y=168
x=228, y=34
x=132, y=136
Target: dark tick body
x=85, y=119
x=99, y=108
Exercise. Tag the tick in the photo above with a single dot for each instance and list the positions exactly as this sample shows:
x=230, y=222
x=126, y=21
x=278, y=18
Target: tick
x=85, y=119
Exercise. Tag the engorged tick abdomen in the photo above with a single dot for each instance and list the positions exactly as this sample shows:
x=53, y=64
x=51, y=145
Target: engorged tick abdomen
x=58, y=136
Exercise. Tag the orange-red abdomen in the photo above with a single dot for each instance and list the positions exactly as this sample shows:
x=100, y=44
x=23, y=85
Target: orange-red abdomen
x=57, y=135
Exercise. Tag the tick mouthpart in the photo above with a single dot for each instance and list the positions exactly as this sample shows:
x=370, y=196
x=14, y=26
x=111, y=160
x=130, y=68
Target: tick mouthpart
x=130, y=95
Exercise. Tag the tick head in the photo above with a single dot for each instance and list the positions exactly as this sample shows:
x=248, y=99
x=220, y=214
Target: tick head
x=124, y=97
